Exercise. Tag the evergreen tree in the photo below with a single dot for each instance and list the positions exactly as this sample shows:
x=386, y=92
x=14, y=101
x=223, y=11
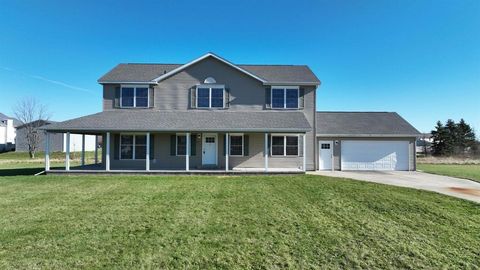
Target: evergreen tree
x=465, y=136
x=451, y=137
x=439, y=136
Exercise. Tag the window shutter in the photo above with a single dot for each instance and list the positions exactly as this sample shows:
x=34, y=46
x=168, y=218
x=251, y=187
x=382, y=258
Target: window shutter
x=245, y=145
x=268, y=99
x=301, y=99
x=227, y=98
x=269, y=144
x=173, y=145
x=224, y=144
x=193, y=97
x=151, y=97
x=300, y=145
x=193, y=144
x=117, y=97
x=152, y=146
x=116, y=146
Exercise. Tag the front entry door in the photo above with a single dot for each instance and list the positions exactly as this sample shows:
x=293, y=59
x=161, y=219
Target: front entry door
x=325, y=150
x=209, y=149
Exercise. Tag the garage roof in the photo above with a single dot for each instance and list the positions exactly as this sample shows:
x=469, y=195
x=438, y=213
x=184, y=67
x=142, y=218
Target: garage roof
x=363, y=124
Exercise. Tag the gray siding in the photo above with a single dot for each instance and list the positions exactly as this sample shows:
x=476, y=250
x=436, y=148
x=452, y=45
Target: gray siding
x=163, y=160
x=246, y=94
x=337, y=148
x=56, y=141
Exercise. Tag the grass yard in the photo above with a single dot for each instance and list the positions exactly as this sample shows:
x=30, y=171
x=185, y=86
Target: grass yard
x=467, y=171
x=19, y=163
x=237, y=222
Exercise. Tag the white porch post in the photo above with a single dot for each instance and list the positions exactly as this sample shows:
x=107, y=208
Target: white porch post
x=47, y=151
x=83, y=149
x=227, y=151
x=187, y=156
x=107, y=153
x=266, y=152
x=67, y=153
x=147, y=155
x=96, y=149
x=304, y=153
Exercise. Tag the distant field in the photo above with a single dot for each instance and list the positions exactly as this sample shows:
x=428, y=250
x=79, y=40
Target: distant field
x=19, y=163
x=467, y=171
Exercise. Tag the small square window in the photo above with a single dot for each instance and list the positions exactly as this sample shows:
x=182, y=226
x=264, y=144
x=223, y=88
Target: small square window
x=325, y=146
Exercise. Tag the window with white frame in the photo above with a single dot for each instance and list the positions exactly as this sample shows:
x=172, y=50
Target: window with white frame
x=210, y=96
x=284, y=145
x=134, y=96
x=236, y=145
x=133, y=146
x=285, y=97
x=181, y=145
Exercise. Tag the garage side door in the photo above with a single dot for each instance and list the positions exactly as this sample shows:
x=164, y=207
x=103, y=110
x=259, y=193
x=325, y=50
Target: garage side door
x=374, y=155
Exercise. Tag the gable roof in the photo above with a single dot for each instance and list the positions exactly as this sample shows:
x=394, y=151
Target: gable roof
x=16, y=122
x=38, y=123
x=181, y=121
x=363, y=124
x=267, y=74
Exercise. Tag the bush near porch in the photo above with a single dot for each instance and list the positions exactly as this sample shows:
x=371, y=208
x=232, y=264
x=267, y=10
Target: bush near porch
x=240, y=222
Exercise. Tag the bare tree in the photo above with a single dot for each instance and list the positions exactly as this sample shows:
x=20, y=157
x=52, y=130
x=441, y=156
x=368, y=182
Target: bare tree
x=33, y=115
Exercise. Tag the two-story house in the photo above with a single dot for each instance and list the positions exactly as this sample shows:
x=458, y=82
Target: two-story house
x=208, y=115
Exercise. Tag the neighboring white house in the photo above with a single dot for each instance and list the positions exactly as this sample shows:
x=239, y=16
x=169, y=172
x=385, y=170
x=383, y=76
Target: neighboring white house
x=7, y=133
x=76, y=142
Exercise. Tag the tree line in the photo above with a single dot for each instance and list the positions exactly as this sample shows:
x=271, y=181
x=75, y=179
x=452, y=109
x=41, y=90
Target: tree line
x=454, y=139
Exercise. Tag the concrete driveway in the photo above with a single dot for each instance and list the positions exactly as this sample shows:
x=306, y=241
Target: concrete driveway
x=451, y=186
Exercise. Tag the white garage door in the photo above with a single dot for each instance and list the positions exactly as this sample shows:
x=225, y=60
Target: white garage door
x=374, y=155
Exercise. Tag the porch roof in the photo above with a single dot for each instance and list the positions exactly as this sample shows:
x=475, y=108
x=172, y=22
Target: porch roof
x=182, y=121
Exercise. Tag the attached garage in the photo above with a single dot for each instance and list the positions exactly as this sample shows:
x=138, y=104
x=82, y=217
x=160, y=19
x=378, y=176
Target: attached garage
x=365, y=141
x=361, y=155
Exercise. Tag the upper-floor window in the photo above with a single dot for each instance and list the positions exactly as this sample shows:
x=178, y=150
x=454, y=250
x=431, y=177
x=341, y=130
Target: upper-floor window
x=134, y=97
x=285, y=97
x=210, y=96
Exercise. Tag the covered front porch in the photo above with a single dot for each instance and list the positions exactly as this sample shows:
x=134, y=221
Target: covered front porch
x=187, y=152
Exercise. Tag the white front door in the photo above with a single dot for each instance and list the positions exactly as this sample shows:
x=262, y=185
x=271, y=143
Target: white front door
x=209, y=149
x=325, y=150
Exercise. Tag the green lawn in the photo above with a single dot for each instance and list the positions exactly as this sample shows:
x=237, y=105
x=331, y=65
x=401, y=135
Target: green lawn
x=467, y=171
x=237, y=222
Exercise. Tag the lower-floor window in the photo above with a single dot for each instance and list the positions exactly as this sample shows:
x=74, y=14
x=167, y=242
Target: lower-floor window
x=284, y=145
x=133, y=146
x=181, y=145
x=236, y=145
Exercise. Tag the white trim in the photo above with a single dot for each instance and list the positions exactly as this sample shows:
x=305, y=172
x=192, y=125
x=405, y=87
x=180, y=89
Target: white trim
x=369, y=135
x=147, y=152
x=170, y=73
x=230, y=144
x=210, y=87
x=83, y=150
x=284, y=144
x=67, y=152
x=107, y=153
x=266, y=151
x=284, y=96
x=187, y=151
x=227, y=152
x=134, y=144
x=304, y=137
x=47, y=151
x=134, y=95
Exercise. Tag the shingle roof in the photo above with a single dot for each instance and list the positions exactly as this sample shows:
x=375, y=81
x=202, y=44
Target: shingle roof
x=132, y=72
x=146, y=120
x=16, y=122
x=363, y=124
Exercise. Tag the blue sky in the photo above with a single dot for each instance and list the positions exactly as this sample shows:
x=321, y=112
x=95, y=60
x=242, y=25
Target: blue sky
x=418, y=58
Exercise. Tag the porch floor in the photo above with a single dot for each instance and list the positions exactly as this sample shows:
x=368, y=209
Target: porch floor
x=99, y=169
